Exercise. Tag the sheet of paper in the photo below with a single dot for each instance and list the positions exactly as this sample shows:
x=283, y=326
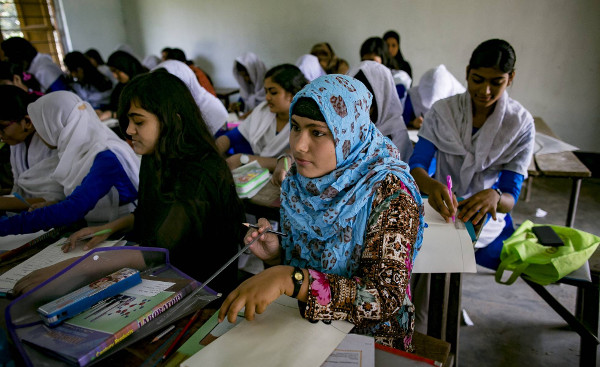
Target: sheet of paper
x=413, y=135
x=14, y=241
x=446, y=248
x=354, y=351
x=545, y=144
x=277, y=337
x=48, y=256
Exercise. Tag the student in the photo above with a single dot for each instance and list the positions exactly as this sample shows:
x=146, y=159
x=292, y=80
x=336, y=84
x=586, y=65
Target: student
x=19, y=51
x=213, y=112
x=32, y=162
x=437, y=83
x=375, y=49
x=352, y=214
x=124, y=67
x=310, y=67
x=89, y=84
x=151, y=61
x=265, y=134
x=13, y=74
x=188, y=202
x=98, y=171
x=96, y=59
x=386, y=108
x=328, y=60
x=482, y=139
x=249, y=71
x=396, y=60
x=203, y=78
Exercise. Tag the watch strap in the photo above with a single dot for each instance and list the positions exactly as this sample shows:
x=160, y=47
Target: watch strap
x=298, y=279
x=499, y=193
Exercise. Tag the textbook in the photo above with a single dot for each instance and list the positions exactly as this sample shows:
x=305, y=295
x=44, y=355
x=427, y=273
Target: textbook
x=87, y=336
x=13, y=245
x=65, y=307
x=249, y=177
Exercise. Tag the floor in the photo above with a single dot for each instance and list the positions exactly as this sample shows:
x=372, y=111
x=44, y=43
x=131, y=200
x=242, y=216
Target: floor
x=513, y=326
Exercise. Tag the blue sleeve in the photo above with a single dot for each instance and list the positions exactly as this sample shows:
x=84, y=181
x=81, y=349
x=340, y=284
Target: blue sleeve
x=238, y=143
x=106, y=172
x=510, y=182
x=423, y=154
x=59, y=84
x=409, y=112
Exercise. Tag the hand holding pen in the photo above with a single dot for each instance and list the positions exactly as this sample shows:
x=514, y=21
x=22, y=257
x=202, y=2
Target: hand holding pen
x=95, y=233
x=449, y=184
x=266, y=247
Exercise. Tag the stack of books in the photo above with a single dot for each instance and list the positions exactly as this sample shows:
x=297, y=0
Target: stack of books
x=250, y=178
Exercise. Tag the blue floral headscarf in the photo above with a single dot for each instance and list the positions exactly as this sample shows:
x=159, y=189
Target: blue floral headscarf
x=326, y=217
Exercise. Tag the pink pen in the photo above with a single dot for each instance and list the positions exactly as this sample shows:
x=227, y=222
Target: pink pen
x=449, y=183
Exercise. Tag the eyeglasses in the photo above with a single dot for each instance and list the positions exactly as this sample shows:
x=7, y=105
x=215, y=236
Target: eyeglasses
x=4, y=126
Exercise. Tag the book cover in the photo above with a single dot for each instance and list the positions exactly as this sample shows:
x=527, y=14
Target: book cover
x=249, y=176
x=89, y=335
x=67, y=306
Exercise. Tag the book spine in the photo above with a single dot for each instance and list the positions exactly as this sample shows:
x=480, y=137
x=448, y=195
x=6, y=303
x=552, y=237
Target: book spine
x=51, y=234
x=136, y=324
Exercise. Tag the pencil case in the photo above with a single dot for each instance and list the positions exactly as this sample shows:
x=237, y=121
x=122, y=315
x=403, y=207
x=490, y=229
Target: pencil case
x=69, y=305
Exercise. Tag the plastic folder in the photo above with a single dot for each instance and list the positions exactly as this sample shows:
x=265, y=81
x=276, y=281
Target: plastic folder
x=21, y=315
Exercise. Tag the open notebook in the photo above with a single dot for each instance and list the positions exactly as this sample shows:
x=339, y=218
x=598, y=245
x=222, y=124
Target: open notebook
x=447, y=247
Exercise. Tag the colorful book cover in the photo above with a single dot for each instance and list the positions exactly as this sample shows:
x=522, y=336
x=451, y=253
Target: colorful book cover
x=249, y=176
x=92, y=333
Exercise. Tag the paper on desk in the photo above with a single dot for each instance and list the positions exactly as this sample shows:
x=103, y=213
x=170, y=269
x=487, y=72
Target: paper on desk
x=445, y=249
x=545, y=144
x=354, y=351
x=413, y=135
x=12, y=242
x=277, y=337
x=48, y=256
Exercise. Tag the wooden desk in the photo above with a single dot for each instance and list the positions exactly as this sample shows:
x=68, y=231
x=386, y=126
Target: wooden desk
x=563, y=164
x=224, y=93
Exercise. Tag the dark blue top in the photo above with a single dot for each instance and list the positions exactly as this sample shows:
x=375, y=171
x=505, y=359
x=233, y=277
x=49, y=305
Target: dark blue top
x=238, y=143
x=106, y=172
x=508, y=181
x=409, y=111
x=59, y=84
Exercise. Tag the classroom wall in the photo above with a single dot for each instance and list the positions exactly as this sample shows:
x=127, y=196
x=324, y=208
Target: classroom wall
x=556, y=42
x=94, y=24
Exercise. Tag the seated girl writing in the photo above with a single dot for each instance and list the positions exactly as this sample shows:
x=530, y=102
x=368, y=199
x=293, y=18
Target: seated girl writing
x=264, y=135
x=352, y=214
x=482, y=139
x=96, y=170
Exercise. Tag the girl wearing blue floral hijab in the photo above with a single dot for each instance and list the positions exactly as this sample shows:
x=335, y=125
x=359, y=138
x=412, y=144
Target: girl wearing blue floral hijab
x=353, y=219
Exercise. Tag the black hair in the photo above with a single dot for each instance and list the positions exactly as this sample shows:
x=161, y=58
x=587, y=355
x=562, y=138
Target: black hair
x=361, y=77
x=126, y=63
x=494, y=53
x=288, y=76
x=165, y=50
x=325, y=49
x=308, y=107
x=8, y=70
x=377, y=46
x=18, y=50
x=239, y=67
x=14, y=102
x=92, y=53
x=176, y=54
x=397, y=62
x=91, y=76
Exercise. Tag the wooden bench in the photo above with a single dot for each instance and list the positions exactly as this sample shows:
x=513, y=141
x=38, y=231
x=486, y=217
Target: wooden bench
x=563, y=164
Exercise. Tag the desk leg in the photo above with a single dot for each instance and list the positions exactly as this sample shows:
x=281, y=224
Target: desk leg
x=573, y=202
x=436, y=316
x=454, y=312
x=588, y=302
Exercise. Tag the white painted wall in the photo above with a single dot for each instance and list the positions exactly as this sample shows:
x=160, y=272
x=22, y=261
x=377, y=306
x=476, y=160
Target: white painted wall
x=94, y=24
x=556, y=41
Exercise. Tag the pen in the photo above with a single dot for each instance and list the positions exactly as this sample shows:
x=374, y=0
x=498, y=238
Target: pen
x=22, y=199
x=268, y=230
x=449, y=183
x=195, y=316
x=87, y=237
x=165, y=332
x=285, y=161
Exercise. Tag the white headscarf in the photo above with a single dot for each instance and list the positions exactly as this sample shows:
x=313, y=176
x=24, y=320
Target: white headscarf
x=63, y=120
x=504, y=142
x=251, y=94
x=437, y=83
x=310, y=67
x=32, y=168
x=45, y=70
x=151, y=61
x=212, y=109
x=260, y=129
x=389, y=109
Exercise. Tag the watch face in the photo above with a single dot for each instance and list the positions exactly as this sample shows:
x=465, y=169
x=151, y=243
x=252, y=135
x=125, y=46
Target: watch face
x=298, y=276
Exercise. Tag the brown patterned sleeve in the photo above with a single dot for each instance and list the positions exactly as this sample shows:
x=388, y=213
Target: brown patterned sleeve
x=378, y=291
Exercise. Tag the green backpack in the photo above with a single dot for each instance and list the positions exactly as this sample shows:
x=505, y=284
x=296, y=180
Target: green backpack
x=522, y=254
